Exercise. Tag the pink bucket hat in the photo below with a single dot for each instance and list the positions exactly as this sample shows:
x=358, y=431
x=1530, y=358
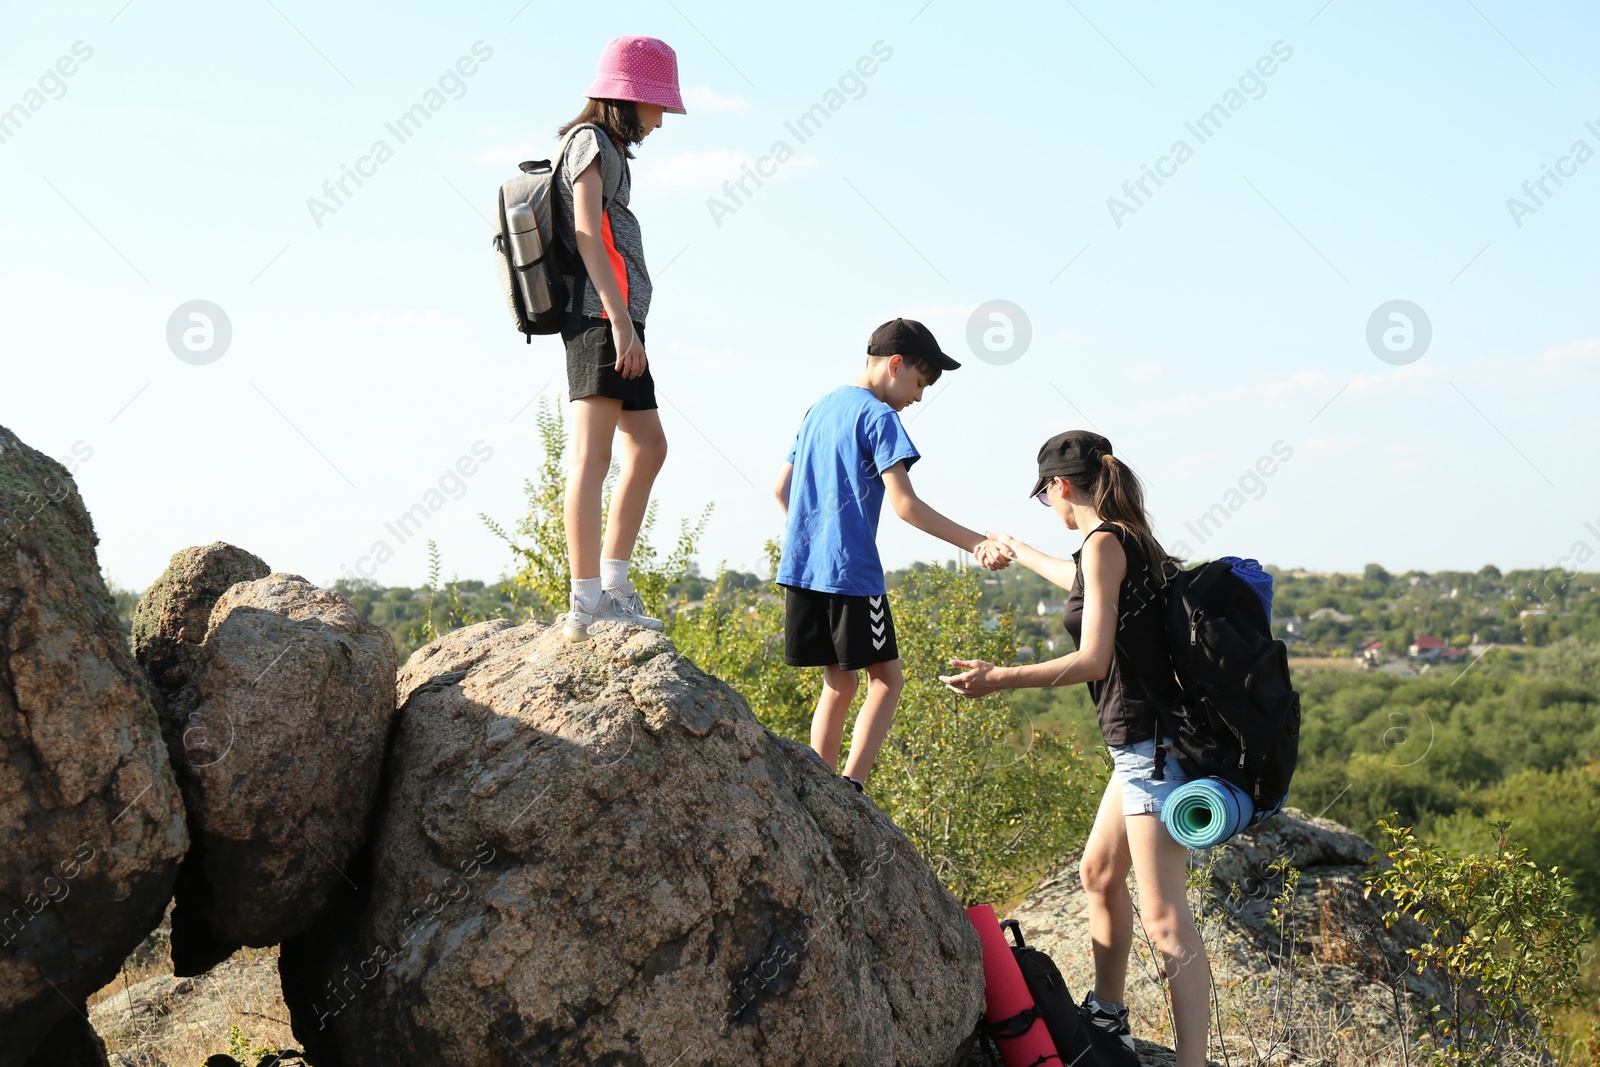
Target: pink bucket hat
x=642, y=69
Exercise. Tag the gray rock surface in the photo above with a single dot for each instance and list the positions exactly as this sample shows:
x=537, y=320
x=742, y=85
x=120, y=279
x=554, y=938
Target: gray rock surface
x=171, y=619
x=594, y=854
x=1324, y=978
x=287, y=705
x=90, y=815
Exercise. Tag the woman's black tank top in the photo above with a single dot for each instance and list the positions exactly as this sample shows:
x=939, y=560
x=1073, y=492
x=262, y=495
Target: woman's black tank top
x=1140, y=680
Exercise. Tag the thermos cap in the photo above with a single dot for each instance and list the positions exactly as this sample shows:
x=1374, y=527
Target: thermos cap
x=519, y=218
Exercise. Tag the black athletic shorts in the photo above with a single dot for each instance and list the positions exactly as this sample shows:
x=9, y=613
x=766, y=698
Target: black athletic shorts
x=821, y=629
x=592, y=366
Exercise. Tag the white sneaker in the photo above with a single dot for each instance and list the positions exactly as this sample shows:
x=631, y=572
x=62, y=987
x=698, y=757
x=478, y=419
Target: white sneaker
x=615, y=606
x=575, y=623
x=627, y=606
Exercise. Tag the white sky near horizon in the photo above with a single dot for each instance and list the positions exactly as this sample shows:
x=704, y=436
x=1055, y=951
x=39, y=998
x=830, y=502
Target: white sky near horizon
x=1226, y=316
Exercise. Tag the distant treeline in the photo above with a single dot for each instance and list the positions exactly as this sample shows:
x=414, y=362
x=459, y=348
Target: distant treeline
x=1336, y=614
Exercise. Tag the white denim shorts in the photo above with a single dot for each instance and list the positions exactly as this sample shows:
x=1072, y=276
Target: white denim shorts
x=1131, y=767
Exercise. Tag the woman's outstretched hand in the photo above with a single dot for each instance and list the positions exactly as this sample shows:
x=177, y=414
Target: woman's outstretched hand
x=1005, y=541
x=976, y=680
x=993, y=554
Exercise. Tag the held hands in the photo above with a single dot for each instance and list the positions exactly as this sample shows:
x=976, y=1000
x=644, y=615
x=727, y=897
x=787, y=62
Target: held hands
x=993, y=553
x=976, y=680
x=630, y=350
x=1005, y=541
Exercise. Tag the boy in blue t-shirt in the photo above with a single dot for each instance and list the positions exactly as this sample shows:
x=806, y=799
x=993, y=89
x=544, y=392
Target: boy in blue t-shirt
x=850, y=452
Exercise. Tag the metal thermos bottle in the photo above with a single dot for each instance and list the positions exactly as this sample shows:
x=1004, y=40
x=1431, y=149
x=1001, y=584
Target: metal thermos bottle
x=526, y=248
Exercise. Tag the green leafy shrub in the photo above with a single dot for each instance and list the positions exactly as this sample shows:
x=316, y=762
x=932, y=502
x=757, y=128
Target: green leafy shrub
x=990, y=803
x=538, y=540
x=737, y=634
x=240, y=1049
x=1500, y=935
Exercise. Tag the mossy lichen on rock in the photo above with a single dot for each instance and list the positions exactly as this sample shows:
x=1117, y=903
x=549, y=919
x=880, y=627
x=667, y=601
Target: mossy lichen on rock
x=619, y=873
x=89, y=809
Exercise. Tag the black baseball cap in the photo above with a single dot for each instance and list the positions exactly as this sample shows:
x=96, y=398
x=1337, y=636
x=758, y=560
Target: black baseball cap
x=908, y=337
x=1071, y=455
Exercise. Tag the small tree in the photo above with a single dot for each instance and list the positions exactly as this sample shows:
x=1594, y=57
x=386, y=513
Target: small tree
x=540, y=545
x=737, y=634
x=539, y=541
x=1499, y=935
x=990, y=802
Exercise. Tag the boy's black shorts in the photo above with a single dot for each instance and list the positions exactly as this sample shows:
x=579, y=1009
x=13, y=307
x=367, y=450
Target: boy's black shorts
x=592, y=366
x=821, y=629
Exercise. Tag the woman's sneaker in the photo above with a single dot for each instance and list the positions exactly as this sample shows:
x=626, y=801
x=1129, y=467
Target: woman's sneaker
x=1114, y=1023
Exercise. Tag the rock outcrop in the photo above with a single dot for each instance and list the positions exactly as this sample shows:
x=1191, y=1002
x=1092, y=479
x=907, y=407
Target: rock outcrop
x=594, y=854
x=171, y=619
x=1324, y=976
x=90, y=814
x=276, y=722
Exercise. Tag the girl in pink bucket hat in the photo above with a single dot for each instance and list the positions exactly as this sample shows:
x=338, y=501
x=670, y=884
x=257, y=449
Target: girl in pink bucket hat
x=609, y=379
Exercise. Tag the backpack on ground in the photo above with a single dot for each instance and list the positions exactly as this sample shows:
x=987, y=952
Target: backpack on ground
x=537, y=272
x=1078, y=1041
x=1240, y=715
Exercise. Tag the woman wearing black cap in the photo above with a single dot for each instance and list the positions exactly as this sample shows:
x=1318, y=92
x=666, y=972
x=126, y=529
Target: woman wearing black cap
x=1115, y=614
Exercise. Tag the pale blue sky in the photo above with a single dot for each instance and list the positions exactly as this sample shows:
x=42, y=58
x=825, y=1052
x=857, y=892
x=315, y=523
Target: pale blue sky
x=1226, y=316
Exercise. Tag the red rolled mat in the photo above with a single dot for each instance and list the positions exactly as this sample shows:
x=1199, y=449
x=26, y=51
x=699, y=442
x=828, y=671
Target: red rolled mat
x=1006, y=994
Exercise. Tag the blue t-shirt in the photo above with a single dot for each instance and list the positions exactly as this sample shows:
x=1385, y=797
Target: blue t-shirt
x=848, y=439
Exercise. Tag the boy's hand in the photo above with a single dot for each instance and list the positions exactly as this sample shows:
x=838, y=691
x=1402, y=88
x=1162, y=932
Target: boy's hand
x=976, y=680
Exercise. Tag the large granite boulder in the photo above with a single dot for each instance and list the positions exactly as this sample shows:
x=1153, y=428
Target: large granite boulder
x=90, y=814
x=171, y=619
x=595, y=854
x=276, y=723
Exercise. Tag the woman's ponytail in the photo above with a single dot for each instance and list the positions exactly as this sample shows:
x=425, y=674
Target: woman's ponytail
x=1119, y=499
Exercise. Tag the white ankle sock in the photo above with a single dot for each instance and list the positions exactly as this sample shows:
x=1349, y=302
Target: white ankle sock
x=614, y=574
x=586, y=594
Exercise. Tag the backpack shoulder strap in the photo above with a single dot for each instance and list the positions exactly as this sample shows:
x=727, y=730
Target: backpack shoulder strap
x=611, y=178
x=609, y=183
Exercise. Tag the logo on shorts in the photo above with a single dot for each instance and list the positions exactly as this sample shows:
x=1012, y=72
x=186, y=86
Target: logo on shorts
x=875, y=603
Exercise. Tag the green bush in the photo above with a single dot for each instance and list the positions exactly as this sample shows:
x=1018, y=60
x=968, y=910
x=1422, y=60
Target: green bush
x=737, y=634
x=538, y=540
x=1572, y=660
x=1500, y=935
x=989, y=804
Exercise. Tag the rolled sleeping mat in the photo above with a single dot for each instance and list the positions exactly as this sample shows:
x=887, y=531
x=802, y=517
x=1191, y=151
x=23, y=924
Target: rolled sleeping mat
x=1206, y=812
x=1249, y=571
x=1006, y=996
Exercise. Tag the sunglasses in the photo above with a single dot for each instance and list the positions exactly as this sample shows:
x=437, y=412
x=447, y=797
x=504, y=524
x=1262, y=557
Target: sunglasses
x=1043, y=496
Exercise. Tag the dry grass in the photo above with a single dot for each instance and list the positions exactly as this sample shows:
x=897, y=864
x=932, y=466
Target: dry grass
x=1328, y=997
x=151, y=1019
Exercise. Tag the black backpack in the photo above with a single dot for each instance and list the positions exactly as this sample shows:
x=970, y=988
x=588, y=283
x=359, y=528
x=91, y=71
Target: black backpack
x=1078, y=1041
x=1240, y=715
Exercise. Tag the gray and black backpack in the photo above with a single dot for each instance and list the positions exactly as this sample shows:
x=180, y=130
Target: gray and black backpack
x=537, y=271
